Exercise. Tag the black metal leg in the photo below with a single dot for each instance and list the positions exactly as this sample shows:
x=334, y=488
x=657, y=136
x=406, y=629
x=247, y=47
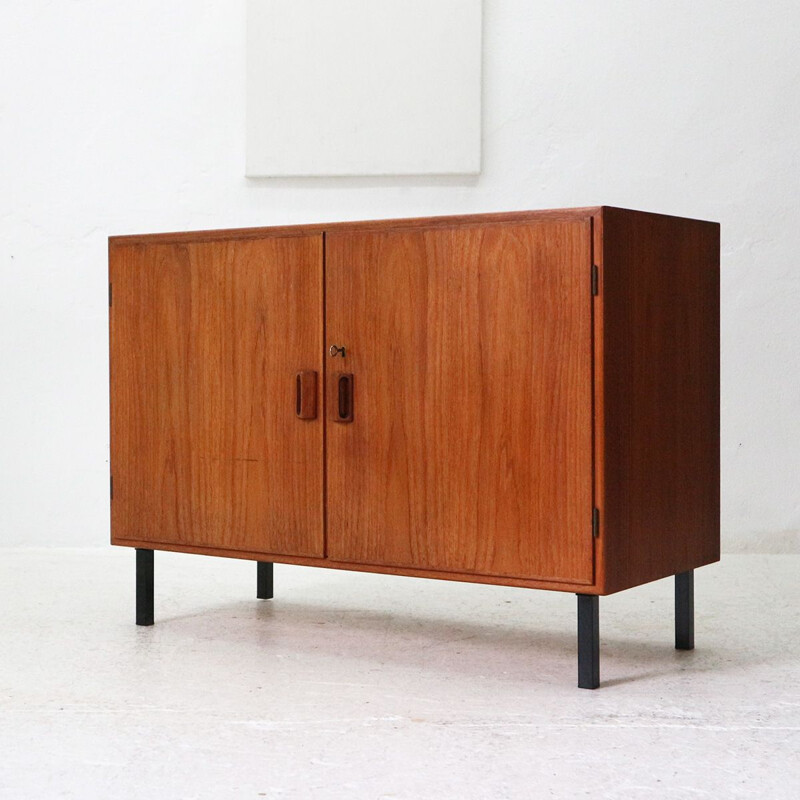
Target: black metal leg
x=264, y=580
x=144, y=587
x=684, y=610
x=588, y=641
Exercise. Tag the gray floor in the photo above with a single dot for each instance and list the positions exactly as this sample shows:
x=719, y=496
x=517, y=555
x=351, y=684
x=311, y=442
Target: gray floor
x=350, y=685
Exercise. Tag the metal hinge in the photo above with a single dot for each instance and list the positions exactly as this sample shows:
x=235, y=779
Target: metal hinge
x=111, y=487
x=595, y=289
x=595, y=522
x=109, y=295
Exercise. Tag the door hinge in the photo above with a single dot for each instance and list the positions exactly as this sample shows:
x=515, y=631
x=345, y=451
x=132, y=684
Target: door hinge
x=109, y=295
x=595, y=289
x=595, y=522
x=111, y=487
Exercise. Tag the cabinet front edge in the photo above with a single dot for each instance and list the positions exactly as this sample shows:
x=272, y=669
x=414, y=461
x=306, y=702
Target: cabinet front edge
x=315, y=561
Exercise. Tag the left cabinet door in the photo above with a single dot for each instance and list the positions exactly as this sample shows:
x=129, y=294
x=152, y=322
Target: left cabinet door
x=208, y=446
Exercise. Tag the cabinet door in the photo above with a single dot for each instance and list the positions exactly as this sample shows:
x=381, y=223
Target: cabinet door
x=207, y=445
x=470, y=445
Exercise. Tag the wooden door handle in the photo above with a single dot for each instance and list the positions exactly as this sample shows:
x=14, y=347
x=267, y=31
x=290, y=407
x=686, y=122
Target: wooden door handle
x=343, y=402
x=306, y=394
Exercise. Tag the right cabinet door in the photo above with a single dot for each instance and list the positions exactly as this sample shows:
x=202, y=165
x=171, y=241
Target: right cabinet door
x=466, y=436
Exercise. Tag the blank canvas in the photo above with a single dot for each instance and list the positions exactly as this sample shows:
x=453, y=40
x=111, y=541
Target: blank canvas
x=363, y=87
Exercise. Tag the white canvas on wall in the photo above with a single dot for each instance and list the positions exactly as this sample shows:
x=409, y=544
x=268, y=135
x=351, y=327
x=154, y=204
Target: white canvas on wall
x=363, y=87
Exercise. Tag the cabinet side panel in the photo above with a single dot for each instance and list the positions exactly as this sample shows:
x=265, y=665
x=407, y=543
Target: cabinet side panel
x=660, y=307
x=206, y=445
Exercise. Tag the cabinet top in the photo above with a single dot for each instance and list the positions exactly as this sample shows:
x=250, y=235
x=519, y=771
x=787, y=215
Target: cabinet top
x=552, y=215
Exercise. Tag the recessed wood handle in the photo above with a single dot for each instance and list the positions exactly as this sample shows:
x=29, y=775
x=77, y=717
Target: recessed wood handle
x=306, y=394
x=343, y=401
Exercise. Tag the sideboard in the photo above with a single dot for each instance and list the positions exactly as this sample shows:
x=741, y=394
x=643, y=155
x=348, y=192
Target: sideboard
x=528, y=399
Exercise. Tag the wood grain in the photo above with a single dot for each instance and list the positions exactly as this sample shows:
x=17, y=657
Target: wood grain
x=470, y=450
x=206, y=342
x=466, y=458
x=658, y=366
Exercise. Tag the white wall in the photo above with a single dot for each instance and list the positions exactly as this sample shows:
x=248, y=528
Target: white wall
x=119, y=117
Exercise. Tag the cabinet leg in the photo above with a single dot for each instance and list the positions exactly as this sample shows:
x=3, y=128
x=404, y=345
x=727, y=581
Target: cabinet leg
x=588, y=641
x=264, y=580
x=684, y=610
x=144, y=587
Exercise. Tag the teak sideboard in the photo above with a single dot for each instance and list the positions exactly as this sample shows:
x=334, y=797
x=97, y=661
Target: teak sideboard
x=528, y=399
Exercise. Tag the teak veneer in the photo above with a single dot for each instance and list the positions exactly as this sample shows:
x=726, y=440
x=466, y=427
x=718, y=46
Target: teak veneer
x=528, y=399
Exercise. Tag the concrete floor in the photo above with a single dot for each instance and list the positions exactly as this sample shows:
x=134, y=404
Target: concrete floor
x=351, y=685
